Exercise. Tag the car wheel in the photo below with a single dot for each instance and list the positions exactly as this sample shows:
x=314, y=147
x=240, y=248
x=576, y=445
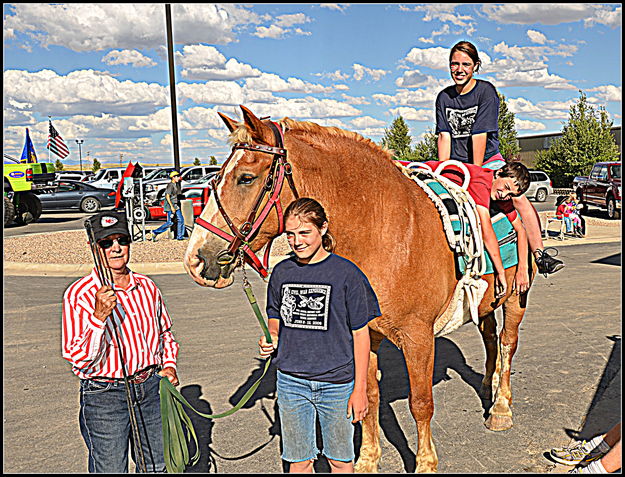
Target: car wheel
x=541, y=195
x=9, y=211
x=613, y=213
x=90, y=205
x=29, y=208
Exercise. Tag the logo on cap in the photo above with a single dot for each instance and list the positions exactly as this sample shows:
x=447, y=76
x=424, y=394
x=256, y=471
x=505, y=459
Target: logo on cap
x=108, y=221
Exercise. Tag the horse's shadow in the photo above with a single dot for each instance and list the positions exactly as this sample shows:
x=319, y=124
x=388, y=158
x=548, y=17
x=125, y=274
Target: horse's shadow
x=394, y=386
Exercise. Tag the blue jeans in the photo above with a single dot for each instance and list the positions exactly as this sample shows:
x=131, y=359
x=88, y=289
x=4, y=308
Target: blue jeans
x=105, y=424
x=569, y=224
x=170, y=222
x=300, y=401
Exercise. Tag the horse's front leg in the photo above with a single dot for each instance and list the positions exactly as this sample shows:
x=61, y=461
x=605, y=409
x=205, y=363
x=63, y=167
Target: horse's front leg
x=500, y=414
x=370, y=450
x=488, y=331
x=419, y=354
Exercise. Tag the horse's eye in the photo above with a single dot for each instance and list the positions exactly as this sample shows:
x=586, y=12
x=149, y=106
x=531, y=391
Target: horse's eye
x=246, y=179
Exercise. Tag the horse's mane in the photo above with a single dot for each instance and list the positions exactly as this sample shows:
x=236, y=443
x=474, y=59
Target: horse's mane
x=242, y=133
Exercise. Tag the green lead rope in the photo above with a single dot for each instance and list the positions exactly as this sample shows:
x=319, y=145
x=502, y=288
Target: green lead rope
x=174, y=418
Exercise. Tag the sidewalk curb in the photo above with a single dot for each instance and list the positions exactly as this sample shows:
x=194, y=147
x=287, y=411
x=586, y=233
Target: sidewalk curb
x=80, y=270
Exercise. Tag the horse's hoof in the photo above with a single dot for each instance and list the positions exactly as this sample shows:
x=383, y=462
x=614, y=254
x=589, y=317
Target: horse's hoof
x=498, y=422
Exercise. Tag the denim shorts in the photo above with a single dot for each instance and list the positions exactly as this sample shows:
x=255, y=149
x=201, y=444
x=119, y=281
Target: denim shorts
x=300, y=402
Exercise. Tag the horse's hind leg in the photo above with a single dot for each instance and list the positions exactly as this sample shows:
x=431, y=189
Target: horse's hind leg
x=370, y=450
x=500, y=418
x=488, y=330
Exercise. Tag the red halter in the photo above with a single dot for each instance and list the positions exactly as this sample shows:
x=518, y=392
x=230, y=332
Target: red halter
x=243, y=235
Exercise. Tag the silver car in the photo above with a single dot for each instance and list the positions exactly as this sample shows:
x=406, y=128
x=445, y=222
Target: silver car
x=540, y=187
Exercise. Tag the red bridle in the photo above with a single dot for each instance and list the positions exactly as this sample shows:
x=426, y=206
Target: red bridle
x=243, y=235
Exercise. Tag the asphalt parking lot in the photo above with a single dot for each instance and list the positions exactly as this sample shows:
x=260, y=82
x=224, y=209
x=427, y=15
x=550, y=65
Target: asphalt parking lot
x=566, y=377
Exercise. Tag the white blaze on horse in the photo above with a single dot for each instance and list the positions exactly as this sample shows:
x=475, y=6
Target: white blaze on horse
x=384, y=223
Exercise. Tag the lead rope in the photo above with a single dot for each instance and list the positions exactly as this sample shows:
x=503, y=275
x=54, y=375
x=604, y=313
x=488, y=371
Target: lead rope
x=175, y=419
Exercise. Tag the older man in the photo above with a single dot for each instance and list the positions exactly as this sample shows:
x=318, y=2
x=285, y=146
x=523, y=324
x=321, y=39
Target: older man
x=95, y=316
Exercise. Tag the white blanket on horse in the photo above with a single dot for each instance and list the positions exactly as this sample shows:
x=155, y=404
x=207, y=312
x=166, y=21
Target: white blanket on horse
x=471, y=288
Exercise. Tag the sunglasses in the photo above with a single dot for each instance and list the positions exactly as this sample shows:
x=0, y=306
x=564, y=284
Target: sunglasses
x=108, y=243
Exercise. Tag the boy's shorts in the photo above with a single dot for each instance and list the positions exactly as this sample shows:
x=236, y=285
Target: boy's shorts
x=300, y=401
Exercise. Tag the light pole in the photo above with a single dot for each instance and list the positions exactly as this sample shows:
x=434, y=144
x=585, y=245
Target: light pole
x=80, y=142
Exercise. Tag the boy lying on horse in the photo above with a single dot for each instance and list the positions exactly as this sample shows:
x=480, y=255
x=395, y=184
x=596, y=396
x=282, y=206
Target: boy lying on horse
x=495, y=190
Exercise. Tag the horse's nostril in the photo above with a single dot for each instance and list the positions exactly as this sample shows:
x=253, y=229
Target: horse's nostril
x=224, y=258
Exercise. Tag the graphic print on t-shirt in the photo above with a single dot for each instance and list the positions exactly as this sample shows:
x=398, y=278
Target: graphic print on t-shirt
x=461, y=121
x=305, y=306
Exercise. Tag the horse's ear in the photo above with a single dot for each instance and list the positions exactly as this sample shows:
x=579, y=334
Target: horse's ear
x=259, y=130
x=231, y=124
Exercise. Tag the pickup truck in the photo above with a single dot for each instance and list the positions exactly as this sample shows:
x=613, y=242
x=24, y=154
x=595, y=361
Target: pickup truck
x=602, y=188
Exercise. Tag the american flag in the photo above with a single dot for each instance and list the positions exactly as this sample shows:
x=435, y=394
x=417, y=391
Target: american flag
x=56, y=144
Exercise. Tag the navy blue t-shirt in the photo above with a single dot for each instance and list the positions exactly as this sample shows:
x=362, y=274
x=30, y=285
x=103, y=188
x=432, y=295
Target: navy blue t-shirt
x=464, y=115
x=318, y=306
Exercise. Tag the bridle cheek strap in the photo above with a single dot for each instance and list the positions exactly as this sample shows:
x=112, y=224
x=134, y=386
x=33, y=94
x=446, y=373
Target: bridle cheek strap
x=241, y=238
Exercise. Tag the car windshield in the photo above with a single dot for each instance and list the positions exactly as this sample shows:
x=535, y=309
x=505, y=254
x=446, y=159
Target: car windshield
x=99, y=175
x=204, y=179
x=616, y=172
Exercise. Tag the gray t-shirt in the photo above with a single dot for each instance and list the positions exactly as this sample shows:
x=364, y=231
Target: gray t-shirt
x=173, y=189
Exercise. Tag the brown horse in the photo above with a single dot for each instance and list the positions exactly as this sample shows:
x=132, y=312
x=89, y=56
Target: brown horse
x=385, y=224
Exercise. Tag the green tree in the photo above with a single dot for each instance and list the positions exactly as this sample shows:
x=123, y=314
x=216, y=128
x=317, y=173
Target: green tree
x=586, y=139
x=508, y=144
x=58, y=165
x=397, y=139
x=96, y=165
x=425, y=150
x=213, y=161
x=196, y=162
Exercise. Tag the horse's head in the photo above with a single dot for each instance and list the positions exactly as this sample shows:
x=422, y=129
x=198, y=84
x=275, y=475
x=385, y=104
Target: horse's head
x=238, y=214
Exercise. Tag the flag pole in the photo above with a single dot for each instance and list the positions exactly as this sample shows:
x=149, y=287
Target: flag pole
x=48, y=145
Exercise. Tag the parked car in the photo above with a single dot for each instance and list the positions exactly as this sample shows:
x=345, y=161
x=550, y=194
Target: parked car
x=540, y=187
x=188, y=174
x=602, y=188
x=73, y=176
x=69, y=194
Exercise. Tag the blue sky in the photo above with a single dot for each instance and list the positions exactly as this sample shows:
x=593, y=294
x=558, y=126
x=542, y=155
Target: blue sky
x=100, y=70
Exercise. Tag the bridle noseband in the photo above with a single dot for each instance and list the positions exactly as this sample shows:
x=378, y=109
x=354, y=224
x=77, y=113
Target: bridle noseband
x=243, y=235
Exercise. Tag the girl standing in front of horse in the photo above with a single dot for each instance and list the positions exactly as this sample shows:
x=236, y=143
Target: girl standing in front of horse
x=467, y=116
x=318, y=307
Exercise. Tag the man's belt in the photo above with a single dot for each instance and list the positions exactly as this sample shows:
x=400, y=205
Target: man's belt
x=137, y=378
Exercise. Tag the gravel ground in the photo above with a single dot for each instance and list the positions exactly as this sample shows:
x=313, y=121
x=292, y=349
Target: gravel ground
x=71, y=247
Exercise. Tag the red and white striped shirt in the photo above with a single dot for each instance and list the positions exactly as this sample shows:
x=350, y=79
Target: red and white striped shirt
x=142, y=321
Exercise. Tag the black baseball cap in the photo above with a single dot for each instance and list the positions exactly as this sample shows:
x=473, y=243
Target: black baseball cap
x=105, y=224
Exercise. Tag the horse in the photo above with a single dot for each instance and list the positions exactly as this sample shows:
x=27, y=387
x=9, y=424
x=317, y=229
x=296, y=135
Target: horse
x=385, y=224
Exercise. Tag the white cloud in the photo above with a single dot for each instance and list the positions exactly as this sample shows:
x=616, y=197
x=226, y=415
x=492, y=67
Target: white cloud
x=420, y=98
x=412, y=114
x=361, y=71
x=608, y=93
x=273, y=83
x=525, y=125
x=415, y=79
x=554, y=13
x=275, y=32
x=334, y=6
x=135, y=26
x=202, y=62
x=292, y=19
x=334, y=76
x=536, y=37
x=82, y=92
x=127, y=57
x=365, y=122
x=355, y=100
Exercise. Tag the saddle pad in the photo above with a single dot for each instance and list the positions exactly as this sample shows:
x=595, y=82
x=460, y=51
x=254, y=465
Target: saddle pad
x=503, y=228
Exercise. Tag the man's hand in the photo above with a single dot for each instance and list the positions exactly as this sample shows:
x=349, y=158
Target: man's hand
x=521, y=281
x=170, y=373
x=105, y=303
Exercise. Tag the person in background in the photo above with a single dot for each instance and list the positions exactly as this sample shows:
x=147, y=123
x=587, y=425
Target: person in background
x=171, y=205
x=467, y=116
